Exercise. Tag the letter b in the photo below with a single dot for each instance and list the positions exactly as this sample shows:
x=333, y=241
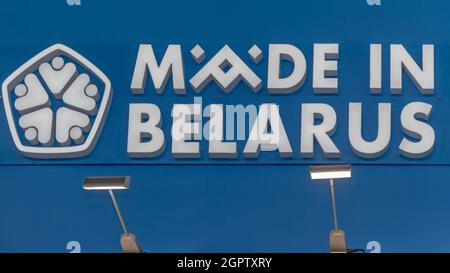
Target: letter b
x=145, y=137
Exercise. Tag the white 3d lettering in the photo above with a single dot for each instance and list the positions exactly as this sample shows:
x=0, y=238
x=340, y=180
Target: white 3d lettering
x=318, y=120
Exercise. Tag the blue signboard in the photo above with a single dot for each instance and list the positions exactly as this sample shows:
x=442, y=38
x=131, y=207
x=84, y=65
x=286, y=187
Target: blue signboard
x=82, y=83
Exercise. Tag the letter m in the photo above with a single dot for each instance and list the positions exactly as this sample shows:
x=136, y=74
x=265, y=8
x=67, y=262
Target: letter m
x=171, y=64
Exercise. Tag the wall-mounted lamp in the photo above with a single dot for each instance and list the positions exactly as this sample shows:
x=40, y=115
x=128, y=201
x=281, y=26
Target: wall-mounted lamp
x=338, y=243
x=127, y=240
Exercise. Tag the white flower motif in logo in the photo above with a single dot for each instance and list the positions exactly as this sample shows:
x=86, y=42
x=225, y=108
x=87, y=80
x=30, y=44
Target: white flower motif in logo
x=56, y=104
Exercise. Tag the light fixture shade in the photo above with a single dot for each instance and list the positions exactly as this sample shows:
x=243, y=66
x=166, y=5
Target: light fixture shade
x=107, y=183
x=330, y=171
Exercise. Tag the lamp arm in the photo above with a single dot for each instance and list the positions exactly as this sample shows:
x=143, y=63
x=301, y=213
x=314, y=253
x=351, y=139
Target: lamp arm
x=116, y=206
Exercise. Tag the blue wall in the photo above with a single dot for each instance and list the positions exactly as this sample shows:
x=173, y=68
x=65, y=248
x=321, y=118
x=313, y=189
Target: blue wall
x=264, y=205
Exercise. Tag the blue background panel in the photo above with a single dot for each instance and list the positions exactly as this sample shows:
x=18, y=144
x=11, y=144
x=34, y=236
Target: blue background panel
x=112, y=45
x=269, y=205
x=224, y=209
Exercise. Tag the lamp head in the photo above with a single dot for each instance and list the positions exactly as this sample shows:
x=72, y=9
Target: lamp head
x=107, y=183
x=330, y=171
